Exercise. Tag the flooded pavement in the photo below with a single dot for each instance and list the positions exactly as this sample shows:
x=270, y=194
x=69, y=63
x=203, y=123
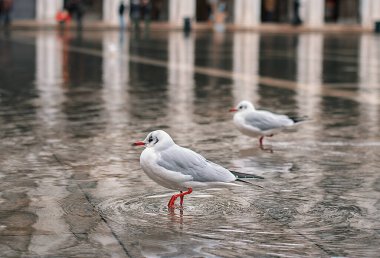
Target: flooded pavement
x=71, y=105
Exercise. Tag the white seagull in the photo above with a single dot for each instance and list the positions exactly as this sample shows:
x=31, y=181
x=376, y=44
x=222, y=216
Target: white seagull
x=179, y=168
x=253, y=123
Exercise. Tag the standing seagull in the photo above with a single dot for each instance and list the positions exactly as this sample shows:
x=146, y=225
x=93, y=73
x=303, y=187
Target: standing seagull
x=253, y=123
x=178, y=168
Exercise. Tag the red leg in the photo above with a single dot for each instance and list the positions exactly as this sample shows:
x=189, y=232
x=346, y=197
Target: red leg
x=181, y=194
x=189, y=191
x=262, y=145
x=172, y=201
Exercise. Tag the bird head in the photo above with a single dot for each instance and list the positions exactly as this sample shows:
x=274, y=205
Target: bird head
x=158, y=139
x=242, y=106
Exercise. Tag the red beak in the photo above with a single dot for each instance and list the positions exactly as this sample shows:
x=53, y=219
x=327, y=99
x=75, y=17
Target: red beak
x=233, y=110
x=138, y=144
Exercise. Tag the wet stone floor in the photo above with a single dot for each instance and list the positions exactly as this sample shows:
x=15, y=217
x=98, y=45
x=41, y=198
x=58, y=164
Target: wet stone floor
x=71, y=105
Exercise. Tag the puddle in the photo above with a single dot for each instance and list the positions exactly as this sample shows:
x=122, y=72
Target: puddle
x=71, y=183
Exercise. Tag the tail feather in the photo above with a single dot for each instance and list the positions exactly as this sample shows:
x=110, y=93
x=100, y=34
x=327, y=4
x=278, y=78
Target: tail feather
x=240, y=175
x=246, y=182
x=298, y=119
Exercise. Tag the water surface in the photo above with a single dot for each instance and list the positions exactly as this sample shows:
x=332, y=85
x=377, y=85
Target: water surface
x=71, y=105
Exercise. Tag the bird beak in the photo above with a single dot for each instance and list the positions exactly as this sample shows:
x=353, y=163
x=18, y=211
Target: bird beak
x=233, y=110
x=138, y=144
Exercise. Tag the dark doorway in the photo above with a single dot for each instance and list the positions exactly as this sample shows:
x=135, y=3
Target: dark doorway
x=338, y=11
x=275, y=11
x=93, y=9
x=205, y=10
x=160, y=10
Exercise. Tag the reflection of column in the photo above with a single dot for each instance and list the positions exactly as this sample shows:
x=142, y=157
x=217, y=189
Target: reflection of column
x=47, y=9
x=312, y=12
x=49, y=76
x=51, y=118
x=246, y=65
x=247, y=12
x=369, y=12
x=309, y=76
x=115, y=78
x=309, y=79
x=179, y=9
x=369, y=86
x=181, y=81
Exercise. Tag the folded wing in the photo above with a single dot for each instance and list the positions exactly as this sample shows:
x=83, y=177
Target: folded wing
x=264, y=120
x=188, y=162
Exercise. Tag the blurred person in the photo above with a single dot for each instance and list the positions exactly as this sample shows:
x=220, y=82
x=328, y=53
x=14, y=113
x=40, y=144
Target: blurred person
x=296, y=13
x=146, y=10
x=121, y=10
x=75, y=7
x=212, y=8
x=5, y=11
x=63, y=18
x=220, y=16
x=135, y=13
x=156, y=10
x=269, y=9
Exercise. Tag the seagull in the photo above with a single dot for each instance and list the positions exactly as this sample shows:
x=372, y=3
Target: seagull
x=253, y=123
x=179, y=168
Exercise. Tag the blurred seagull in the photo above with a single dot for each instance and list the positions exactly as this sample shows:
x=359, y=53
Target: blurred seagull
x=253, y=123
x=181, y=169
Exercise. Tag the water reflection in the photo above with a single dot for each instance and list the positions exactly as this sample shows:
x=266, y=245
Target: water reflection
x=245, y=63
x=49, y=78
x=309, y=79
x=369, y=76
x=70, y=178
x=181, y=82
x=115, y=78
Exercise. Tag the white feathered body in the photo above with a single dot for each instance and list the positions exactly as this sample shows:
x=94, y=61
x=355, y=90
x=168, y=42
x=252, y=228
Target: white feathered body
x=255, y=123
x=179, y=168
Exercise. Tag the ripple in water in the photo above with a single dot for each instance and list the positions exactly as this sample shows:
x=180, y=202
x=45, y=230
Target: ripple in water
x=152, y=208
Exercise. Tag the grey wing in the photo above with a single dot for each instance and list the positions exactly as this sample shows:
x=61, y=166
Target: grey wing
x=188, y=162
x=265, y=120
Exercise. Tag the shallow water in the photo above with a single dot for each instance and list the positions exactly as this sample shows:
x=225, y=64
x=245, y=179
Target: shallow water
x=71, y=105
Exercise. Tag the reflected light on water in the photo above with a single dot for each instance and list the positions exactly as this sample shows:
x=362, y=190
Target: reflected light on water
x=72, y=180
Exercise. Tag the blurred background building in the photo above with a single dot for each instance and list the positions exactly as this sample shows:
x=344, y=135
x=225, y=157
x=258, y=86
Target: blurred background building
x=234, y=13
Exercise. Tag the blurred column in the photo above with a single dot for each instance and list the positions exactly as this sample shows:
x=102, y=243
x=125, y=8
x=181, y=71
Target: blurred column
x=369, y=80
x=247, y=13
x=312, y=12
x=181, y=80
x=115, y=79
x=309, y=77
x=180, y=9
x=111, y=11
x=369, y=12
x=47, y=9
x=245, y=66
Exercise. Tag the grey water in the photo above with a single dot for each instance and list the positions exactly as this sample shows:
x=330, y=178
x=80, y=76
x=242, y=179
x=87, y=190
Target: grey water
x=71, y=105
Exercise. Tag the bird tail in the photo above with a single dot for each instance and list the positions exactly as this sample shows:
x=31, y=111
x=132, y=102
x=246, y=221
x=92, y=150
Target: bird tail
x=298, y=119
x=246, y=182
x=240, y=175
